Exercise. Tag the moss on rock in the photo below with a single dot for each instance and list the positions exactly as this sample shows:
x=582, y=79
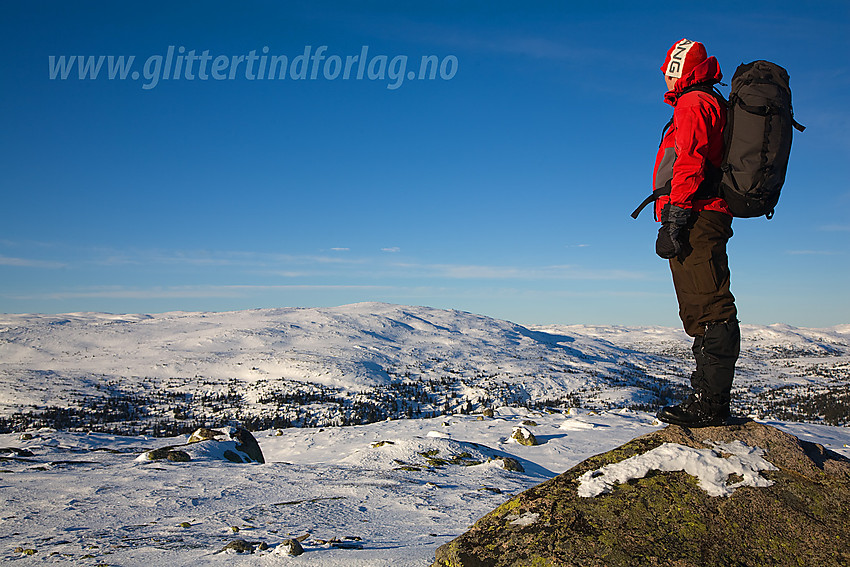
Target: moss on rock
x=667, y=519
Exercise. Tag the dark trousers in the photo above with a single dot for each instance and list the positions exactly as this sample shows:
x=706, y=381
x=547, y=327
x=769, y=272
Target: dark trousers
x=707, y=307
x=701, y=274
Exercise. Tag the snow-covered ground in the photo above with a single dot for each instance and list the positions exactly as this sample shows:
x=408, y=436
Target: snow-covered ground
x=84, y=499
x=384, y=493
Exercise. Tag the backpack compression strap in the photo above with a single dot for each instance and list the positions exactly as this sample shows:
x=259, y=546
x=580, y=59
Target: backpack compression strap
x=706, y=190
x=658, y=192
x=651, y=199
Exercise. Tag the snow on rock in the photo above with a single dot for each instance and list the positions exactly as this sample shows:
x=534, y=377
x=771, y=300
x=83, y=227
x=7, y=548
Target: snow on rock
x=523, y=436
x=710, y=466
x=289, y=547
x=233, y=444
x=524, y=520
x=419, y=453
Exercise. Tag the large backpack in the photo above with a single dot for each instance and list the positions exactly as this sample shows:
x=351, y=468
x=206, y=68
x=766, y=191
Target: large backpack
x=757, y=140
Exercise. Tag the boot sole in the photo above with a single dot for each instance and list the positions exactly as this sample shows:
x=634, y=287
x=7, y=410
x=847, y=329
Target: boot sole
x=672, y=420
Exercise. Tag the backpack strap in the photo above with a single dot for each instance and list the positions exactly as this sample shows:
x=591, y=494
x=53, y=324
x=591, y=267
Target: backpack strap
x=707, y=88
x=660, y=191
x=762, y=110
x=708, y=188
x=651, y=199
x=710, y=185
x=664, y=130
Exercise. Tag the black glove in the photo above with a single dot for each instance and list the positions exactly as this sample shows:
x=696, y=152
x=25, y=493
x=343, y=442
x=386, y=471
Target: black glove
x=673, y=221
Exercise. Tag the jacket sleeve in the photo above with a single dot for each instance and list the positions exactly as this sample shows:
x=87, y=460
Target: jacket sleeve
x=697, y=121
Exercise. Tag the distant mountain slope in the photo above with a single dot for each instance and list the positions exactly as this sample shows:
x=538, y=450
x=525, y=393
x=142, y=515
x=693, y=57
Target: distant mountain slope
x=358, y=363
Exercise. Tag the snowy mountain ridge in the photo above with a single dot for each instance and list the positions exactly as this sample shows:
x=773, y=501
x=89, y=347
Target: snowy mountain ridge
x=365, y=362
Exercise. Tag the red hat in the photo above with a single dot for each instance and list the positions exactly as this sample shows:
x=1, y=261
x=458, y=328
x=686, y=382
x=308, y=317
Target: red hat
x=682, y=57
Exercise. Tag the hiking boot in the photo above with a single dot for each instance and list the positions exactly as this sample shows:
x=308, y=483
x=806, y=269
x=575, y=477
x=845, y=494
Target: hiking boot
x=696, y=411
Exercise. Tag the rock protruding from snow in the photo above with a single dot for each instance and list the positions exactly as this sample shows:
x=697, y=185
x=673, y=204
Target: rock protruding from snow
x=788, y=507
x=510, y=464
x=242, y=546
x=233, y=444
x=289, y=547
x=523, y=436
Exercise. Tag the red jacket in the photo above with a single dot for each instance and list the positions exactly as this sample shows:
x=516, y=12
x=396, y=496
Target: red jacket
x=693, y=140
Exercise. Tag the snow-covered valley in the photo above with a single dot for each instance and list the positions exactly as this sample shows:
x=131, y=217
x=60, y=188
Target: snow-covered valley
x=417, y=463
x=169, y=373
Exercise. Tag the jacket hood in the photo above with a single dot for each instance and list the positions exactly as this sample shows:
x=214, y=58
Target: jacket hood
x=708, y=72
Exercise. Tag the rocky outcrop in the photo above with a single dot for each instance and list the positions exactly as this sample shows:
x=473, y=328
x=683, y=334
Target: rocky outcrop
x=523, y=436
x=796, y=514
x=289, y=547
x=233, y=444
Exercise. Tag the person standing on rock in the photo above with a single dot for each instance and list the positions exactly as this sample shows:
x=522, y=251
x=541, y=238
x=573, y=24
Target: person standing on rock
x=696, y=224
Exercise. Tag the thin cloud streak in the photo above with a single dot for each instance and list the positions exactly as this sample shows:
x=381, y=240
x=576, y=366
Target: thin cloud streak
x=321, y=265
x=28, y=263
x=219, y=258
x=812, y=253
x=566, y=272
x=186, y=292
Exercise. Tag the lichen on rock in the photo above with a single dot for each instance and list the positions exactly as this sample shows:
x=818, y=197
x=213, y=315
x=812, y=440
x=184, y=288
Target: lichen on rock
x=523, y=436
x=666, y=518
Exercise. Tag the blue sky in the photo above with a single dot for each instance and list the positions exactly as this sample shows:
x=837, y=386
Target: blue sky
x=502, y=186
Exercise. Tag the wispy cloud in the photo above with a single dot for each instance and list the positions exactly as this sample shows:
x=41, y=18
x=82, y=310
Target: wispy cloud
x=29, y=263
x=533, y=46
x=184, y=292
x=812, y=253
x=501, y=41
x=566, y=272
x=244, y=259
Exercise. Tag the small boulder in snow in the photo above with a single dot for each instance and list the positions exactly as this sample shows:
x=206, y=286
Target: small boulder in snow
x=178, y=456
x=168, y=453
x=239, y=546
x=523, y=436
x=233, y=444
x=289, y=547
x=510, y=464
x=16, y=451
x=204, y=434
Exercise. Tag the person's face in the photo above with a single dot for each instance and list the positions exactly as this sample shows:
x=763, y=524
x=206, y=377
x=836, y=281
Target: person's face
x=671, y=82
